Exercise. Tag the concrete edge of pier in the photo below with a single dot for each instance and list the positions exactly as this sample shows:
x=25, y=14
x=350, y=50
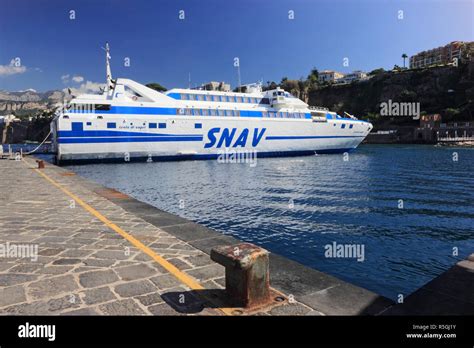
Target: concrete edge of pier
x=451, y=293
x=323, y=293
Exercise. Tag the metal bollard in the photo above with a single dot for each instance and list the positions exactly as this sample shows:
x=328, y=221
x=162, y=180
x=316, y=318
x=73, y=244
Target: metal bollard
x=40, y=164
x=247, y=279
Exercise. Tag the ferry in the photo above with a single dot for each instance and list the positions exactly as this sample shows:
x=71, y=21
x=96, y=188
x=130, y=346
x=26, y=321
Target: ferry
x=131, y=122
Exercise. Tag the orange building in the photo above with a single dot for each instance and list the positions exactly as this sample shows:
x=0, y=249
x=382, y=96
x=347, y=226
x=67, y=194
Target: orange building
x=443, y=55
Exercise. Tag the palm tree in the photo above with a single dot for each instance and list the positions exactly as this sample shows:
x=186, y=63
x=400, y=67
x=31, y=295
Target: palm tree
x=404, y=56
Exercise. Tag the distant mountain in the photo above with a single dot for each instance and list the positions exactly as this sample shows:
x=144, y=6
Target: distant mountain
x=28, y=101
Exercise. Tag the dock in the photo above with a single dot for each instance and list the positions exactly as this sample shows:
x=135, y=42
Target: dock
x=101, y=252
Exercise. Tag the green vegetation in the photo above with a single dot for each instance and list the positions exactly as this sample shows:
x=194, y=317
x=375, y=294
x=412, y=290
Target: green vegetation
x=404, y=56
x=376, y=71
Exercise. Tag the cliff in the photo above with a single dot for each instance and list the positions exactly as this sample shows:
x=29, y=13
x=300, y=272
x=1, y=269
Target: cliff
x=445, y=90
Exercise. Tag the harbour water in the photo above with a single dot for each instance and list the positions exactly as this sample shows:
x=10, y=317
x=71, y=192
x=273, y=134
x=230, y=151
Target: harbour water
x=410, y=207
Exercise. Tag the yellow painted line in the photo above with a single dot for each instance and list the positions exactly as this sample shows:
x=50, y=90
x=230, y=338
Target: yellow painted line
x=181, y=276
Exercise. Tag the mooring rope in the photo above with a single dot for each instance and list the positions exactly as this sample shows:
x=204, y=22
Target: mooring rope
x=28, y=153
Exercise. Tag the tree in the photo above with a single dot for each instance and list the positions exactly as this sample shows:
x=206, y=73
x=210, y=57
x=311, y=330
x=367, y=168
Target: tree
x=313, y=79
x=156, y=86
x=377, y=71
x=291, y=86
x=404, y=56
x=270, y=85
x=396, y=68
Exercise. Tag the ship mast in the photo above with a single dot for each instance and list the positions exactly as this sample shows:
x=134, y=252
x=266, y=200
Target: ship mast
x=109, y=82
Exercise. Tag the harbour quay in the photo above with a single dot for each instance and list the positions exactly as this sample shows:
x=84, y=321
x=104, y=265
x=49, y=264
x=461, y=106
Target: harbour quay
x=69, y=246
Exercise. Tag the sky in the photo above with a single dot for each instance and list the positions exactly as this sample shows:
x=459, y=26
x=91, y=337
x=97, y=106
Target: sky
x=42, y=47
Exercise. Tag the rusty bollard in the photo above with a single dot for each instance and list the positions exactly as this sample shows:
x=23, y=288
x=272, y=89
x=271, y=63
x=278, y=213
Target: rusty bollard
x=40, y=164
x=247, y=280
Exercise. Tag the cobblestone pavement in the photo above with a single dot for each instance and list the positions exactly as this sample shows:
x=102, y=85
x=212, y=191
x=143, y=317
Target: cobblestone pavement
x=85, y=268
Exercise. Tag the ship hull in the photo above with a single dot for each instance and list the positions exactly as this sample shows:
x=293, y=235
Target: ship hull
x=131, y=138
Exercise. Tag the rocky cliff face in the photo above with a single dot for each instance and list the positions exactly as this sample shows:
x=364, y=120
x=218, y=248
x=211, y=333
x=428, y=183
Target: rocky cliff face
x=445, y=90
x=28, y=101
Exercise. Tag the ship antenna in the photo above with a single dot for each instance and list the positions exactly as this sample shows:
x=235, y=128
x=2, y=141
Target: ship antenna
x=238, y=75
x=109, y=82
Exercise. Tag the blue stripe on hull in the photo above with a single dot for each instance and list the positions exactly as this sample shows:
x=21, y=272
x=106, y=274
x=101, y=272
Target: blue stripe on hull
x=128, y=140
x=197, y=157
x=106, y=133
x=97, y=138
x=162, y=111
x=297, y=137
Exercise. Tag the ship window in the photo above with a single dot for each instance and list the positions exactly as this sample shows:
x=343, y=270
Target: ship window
x=198, y=125
x=343, y=125
x=76, y=126
x=200, y=97
x=196, y=112
x=101, y=107
x=100, y=117
x=237, y=113
x=212, y=112
x=216, y=98
x=188, y=112
x=208, y=98
x=151, y=125
x=239, y=99
x=204, y=112
x=111, y=125
x=89, y=123
x=264, y=114
x=351, y=126
x=161, y=125
x=264, y=101
x=221, y=113
x=228, y=113
x=245, y=100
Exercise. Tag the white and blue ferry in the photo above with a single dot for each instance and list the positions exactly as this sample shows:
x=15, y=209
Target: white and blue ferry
x=131, y=122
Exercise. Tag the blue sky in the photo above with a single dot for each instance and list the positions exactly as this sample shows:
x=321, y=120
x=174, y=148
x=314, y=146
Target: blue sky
x=162, y=48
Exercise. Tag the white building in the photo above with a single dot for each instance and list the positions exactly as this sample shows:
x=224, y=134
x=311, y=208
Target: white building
x=330, y=76
x=216, y=86
x=355, y=76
